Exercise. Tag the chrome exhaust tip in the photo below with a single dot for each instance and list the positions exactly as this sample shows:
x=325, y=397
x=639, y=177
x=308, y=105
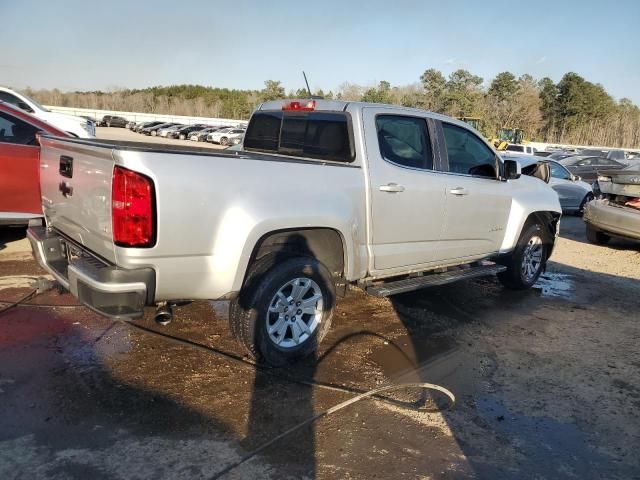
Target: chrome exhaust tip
x=164, y=315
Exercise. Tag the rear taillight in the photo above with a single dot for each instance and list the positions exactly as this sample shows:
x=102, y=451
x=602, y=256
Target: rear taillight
x=132, y=209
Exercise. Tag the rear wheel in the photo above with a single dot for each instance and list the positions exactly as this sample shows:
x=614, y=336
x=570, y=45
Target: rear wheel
x=283, y=314
x=528, y=259
x=596, y=236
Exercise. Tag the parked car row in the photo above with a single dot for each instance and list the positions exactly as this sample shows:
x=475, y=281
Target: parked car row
x=221, y=134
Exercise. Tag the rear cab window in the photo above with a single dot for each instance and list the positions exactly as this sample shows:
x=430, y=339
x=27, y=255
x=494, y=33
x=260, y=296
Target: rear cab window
x=322, y=135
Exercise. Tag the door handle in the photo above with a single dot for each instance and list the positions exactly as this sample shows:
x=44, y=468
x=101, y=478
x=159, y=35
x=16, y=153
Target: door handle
x=459, y=191
x=391, y=188
x=66, y=166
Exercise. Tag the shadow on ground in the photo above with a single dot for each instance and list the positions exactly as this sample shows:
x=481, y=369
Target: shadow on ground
x=10, y=234
x=536, y=395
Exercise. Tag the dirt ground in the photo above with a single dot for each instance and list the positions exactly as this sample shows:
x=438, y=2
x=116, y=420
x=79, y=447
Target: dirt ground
x=547, y=383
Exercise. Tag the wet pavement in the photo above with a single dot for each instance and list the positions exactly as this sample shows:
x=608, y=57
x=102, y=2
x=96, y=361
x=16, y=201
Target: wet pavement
x=546, y=383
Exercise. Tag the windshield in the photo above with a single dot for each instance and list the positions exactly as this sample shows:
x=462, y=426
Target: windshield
x=560, y=155
x=569, y=160
x=37, y=104
x=594, y=153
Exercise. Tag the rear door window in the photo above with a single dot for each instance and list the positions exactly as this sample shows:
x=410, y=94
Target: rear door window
x=605, y=161
x=404, y=141
x=321, y=135
x=585, y=162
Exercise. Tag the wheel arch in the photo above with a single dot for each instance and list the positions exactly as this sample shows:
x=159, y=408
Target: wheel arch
x=322, y=243
x=549, y=220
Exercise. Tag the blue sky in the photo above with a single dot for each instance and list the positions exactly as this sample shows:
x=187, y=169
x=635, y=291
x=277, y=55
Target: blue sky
x=238, y=44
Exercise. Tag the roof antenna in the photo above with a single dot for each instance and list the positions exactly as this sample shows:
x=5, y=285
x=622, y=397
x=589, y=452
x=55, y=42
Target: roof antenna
x=316, y=97
x=307, y=82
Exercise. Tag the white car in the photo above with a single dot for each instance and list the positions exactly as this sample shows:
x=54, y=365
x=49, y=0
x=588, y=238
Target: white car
x=526, y=149
x=225, y=135
x=163, y=132
x=76, y=126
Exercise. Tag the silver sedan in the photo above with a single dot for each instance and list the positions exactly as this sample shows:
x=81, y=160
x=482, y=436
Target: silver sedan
x=574, y=194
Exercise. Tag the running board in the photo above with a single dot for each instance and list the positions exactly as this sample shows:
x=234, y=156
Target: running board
x=432, y=280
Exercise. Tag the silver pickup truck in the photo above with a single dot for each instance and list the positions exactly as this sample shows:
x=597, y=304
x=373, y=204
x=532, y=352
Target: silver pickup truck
x=323, y=194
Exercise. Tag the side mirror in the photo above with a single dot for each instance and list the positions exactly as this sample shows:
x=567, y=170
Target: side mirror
x=576, y=178
x=512, y=170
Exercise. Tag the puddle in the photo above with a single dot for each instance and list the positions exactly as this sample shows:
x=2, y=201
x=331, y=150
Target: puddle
x=553, y=284
x=553, y=449
x=435, y=360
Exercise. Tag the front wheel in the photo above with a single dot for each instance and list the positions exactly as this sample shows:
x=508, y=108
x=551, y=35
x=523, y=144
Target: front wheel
x=596, y=236
x=587, y=198
x=528, y=259
x=283, y=314
x=224, y=141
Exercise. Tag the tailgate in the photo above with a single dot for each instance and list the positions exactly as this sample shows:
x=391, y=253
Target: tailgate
x=75, y=181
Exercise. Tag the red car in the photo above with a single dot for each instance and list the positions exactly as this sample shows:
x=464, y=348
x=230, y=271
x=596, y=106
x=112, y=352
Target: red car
x=20, y=165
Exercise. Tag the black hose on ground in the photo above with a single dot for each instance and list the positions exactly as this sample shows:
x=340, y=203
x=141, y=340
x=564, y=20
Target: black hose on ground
x=19, y=302
x=374, y=394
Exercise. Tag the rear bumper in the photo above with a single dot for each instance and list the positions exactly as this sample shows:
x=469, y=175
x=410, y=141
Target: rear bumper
x=111, y=291
x=614, y=219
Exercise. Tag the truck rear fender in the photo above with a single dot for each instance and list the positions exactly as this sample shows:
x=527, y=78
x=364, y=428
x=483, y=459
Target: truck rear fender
x=328, y=244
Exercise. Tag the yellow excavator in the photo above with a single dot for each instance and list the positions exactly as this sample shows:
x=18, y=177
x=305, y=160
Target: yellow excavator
x=508, y=135
x=505, y=135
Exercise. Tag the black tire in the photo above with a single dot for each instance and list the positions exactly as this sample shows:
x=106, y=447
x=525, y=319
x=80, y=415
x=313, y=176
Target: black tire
x=224, y=141
x=587, y=198
x=249, y=315
x=596, y=236
x=517, y=276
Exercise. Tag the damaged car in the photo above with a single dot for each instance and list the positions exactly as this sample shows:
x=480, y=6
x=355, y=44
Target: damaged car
x=616, y=213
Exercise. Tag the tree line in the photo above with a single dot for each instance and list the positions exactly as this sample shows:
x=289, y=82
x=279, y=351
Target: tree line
x=573, y=110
